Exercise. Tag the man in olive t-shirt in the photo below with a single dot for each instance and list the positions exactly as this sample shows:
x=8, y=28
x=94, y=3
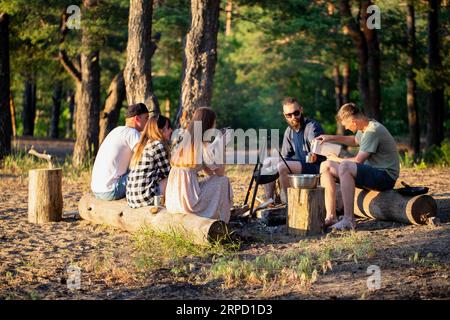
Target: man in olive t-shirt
x=375, y=167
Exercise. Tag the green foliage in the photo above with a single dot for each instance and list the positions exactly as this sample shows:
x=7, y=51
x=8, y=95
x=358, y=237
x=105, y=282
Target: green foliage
x=276, y=49
x=438, y=155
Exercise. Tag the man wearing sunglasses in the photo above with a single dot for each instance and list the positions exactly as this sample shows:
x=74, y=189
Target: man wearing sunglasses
x=299, y=135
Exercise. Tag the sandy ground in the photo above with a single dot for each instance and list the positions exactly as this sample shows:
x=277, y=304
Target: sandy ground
x=34, y=258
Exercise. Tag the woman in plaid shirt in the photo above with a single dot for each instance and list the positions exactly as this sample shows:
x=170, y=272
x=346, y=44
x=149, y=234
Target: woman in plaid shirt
x=150, y=164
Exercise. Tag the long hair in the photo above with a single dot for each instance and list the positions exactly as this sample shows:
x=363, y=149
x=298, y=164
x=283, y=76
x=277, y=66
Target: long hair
x=152, y=132
x=186, y=153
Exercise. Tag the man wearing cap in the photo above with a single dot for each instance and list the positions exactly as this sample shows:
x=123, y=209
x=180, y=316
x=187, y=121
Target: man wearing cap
x=110, y=172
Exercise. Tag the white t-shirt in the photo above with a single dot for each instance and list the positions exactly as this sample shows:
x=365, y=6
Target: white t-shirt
x=113, y=158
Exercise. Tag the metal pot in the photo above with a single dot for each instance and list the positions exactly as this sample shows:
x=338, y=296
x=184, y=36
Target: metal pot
x=304, y=181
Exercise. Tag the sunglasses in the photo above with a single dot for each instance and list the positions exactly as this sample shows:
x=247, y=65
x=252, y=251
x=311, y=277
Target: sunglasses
x=296, y=113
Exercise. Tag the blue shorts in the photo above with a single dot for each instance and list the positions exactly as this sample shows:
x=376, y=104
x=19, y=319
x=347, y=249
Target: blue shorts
x=307, y=168
x=117, y=193
x=371, y=178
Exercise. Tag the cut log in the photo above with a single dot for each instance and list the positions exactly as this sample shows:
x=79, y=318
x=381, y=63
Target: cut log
x=392, y=206
x=118, y=214
x=45, y=202
x=306, y=211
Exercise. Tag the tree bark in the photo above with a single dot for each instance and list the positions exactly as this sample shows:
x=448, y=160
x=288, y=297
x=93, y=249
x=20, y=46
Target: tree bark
x=5, y=112
x=367, y=45
x=167, y=108
x=346, y=83
x=88, y=104
x=228, y=12
x=392, y=206
x=361, y=46
x=413, y=114
x=338, y=95
x=13, y=114
x=373, y=64
x=29, y=106
x=140, y=49
x=200, y=57
x=56, y=110
x=71, y=100
x=435, y=126
x=109, y=117
x=306, y=211
x=45, y=201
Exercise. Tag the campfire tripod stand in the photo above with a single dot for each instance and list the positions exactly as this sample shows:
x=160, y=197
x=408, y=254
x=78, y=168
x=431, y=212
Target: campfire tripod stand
x=258, y=178
x=261, y=179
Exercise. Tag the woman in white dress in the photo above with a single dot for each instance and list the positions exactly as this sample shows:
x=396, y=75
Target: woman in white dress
x=209, y=197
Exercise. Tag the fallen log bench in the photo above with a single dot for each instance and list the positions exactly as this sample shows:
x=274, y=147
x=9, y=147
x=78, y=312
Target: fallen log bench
x=118, y=214
x=392, y=206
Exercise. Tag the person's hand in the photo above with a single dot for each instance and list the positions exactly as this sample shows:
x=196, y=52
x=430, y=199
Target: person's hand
x=333, y=157
x=323, y=138
x=313, y=157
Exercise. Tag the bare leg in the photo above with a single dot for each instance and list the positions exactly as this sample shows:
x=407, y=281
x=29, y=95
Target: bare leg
x=347, y=175
x=296, y=167
x=329, y=171
x=269, y=190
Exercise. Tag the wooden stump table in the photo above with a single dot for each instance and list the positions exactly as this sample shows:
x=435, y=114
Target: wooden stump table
x=306, y=211
x=45, y=202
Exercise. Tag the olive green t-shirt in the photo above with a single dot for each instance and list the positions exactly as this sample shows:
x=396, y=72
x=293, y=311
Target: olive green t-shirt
x=378, y=142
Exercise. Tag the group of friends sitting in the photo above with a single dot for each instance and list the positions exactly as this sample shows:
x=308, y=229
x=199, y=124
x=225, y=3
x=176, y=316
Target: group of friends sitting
x=140, y=161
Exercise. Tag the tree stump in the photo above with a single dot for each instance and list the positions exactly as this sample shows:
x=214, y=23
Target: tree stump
x=45, y=202
x=306, y=211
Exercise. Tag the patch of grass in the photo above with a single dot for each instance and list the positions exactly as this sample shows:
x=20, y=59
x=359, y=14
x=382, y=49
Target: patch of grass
x=354, y=245
x=19, y=162
x=427, y=261
x=287, y=268
x=33, y=295
x=11, y=296
x=299, y=267
x=174, y=250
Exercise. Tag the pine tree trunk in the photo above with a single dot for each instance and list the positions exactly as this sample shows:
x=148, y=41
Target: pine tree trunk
x=109, y=117
x=413, y=115
x=71, y=100
x=29, y=106
x=373, y=64
x=435, y=127
x=346, y=83
x=140, y=49
x=167, y=108
x=228, y=11
x=56, y=110
x=13, y=114
x=338, y=95
x=5, y=112
x=360, y=43
x=200, y=58
x=88, y=104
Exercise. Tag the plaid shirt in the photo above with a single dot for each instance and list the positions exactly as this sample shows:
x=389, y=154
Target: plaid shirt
x=143, y=180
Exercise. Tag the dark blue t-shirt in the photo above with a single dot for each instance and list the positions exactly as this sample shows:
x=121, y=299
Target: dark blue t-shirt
x=297, y=144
